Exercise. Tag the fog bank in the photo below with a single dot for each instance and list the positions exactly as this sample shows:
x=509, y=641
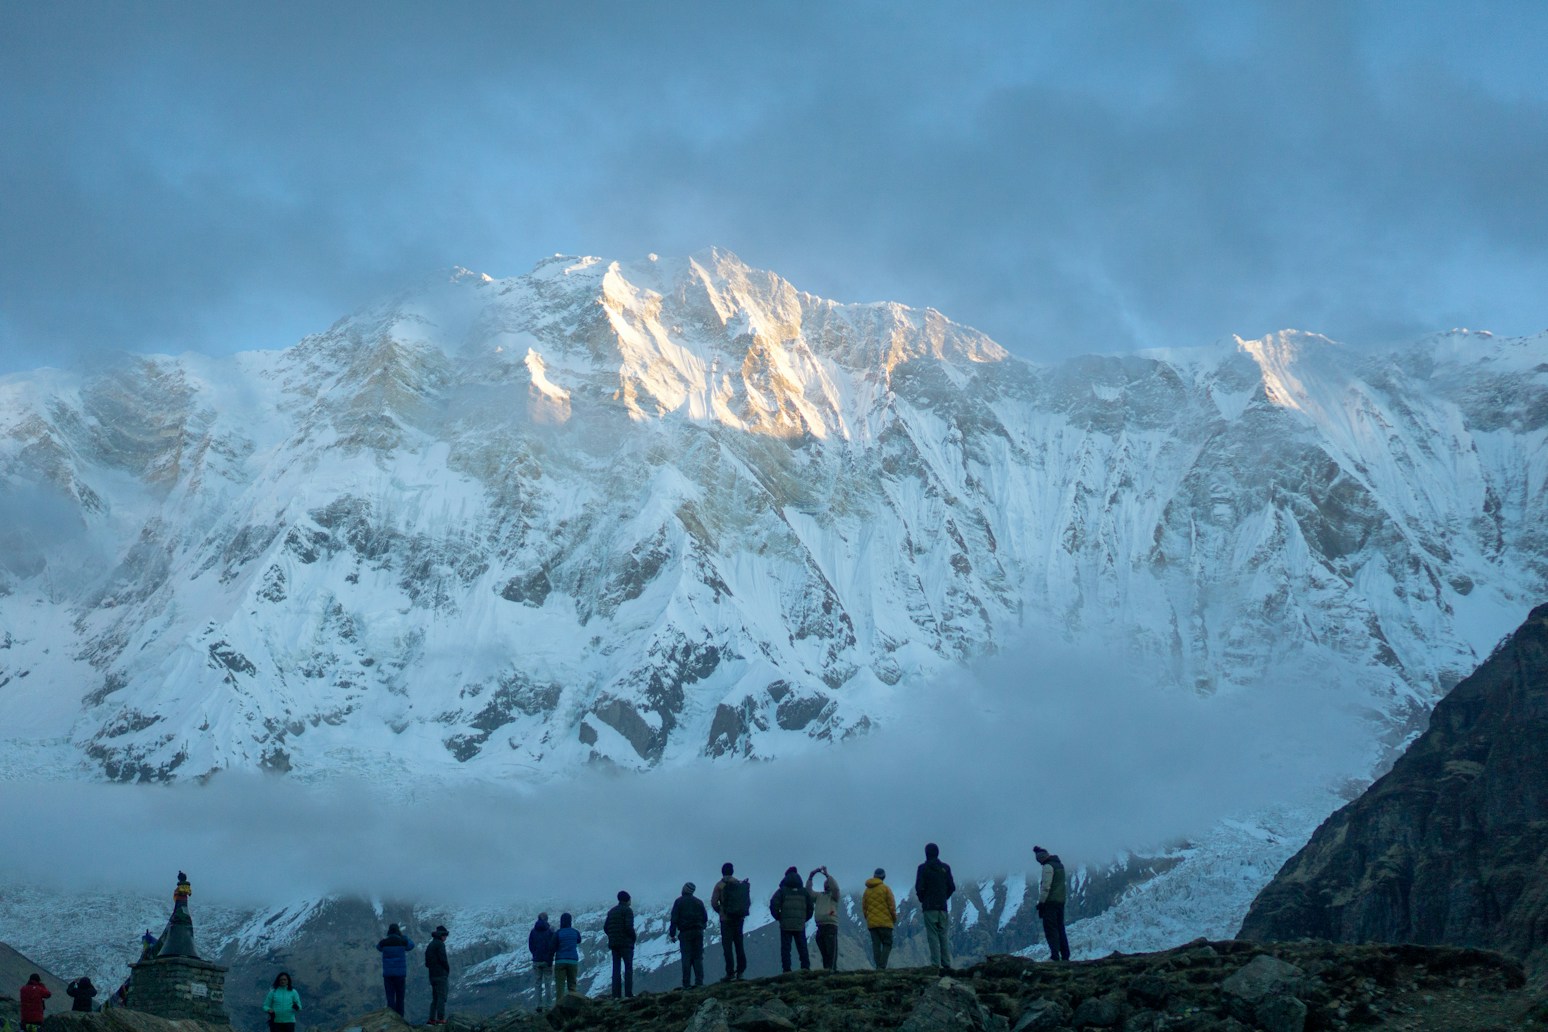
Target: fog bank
x=1047, y=745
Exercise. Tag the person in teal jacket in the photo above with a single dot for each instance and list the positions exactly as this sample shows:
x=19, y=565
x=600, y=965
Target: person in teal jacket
x=282, y=1003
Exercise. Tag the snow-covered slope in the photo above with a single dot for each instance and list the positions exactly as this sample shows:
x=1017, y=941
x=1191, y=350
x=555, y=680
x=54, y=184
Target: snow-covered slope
x=674, y=512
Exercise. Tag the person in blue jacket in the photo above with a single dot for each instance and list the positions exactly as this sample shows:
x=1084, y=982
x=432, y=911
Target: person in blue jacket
x=566, y=957
x=541, y=943
x=394, y=950
x=281, y=1004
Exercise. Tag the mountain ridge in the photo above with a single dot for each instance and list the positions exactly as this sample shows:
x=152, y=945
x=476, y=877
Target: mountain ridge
x=783, y=505
x=1450, y=845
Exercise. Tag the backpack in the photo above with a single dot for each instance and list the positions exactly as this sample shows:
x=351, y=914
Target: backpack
x=736, y=901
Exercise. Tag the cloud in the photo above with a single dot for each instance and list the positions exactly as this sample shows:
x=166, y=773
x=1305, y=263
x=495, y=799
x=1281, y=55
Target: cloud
x=1066, y=177
x=1082, y=755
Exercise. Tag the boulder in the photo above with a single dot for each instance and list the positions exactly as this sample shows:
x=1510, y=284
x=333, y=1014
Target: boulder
x=770, y=1016
x=1280, y=1014
x=1262, y=977
x=947, y=1006
x=1143, y=1021
x=571, y=1007
x=1150, y=991
x=1042, y=1016
x=710, y=1017
x=1099, y=1012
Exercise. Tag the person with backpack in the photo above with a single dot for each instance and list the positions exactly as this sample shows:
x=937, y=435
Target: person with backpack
x=281, y=1004
x=731, y=898
x=687, y=923
x=81, y=993
x=933, y=887
x=394, y=950
x=880, y=908
x=825, y=909
x=32, y=996
x=792, y=906
x=618, y=926
x=566, y=957
x=1052, y=890
x=542, y=943
x=438, y=967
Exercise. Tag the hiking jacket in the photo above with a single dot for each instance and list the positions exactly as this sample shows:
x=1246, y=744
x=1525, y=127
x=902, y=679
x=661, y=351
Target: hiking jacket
x=879, y=905
x=435, y=958
x=283, y=1004
x=1053, y=887
x=32, y=996
x=791, y=905
x=688, y=915
x=718, y=897
x=619, y=928
x=394, y=950
x=933, y=884
x=81, y=991
x=824, y=903
x=567, y=946
x=541, y=943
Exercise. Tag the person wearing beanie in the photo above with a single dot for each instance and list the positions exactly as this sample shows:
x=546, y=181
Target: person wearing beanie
x=731, y=898
x=439, y=969
x=32, y=1006
x=933, y=887
x=618, y=926
x=566, y=957
x=792, y=905
x=542, y=943
x=825, y=909
x=394, y=950
x=880, y=908
x=687, y=924
x=1052, y=890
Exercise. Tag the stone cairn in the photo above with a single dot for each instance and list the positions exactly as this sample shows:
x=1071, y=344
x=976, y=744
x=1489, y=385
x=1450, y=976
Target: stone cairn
x=171, y=980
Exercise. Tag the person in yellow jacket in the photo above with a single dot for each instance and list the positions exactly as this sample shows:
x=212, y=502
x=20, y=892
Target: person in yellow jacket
x=880, y=908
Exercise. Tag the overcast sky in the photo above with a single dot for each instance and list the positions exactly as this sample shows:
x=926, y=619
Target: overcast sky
x=1065, y=176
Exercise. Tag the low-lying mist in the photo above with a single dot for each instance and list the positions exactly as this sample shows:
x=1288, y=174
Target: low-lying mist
x=1047, y=745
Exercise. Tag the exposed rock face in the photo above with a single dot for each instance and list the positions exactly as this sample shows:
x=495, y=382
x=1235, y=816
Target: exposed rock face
x=1451, y=846
x=669, y=512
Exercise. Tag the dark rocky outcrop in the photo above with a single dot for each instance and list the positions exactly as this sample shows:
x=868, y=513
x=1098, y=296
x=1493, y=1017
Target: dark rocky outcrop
x=1199, y=987
x=1451, y=846
x=121, y=1019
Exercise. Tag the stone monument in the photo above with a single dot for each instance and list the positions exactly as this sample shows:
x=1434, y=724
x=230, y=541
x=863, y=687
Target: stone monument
x=171, y=980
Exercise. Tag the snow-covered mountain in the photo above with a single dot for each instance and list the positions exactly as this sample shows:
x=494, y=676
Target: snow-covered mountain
x=677, y=511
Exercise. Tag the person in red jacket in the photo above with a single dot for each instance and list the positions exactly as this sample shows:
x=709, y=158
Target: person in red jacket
x=32, y=996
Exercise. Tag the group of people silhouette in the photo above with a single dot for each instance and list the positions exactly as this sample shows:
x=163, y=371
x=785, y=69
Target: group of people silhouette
x=556, y=956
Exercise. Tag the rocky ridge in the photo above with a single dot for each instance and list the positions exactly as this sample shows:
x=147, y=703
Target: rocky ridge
x=1200, y=987
x=678, y=511
x=1203, y=986
x=1451, y=845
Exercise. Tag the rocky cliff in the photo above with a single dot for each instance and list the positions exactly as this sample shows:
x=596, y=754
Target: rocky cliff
x=1451, y=846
